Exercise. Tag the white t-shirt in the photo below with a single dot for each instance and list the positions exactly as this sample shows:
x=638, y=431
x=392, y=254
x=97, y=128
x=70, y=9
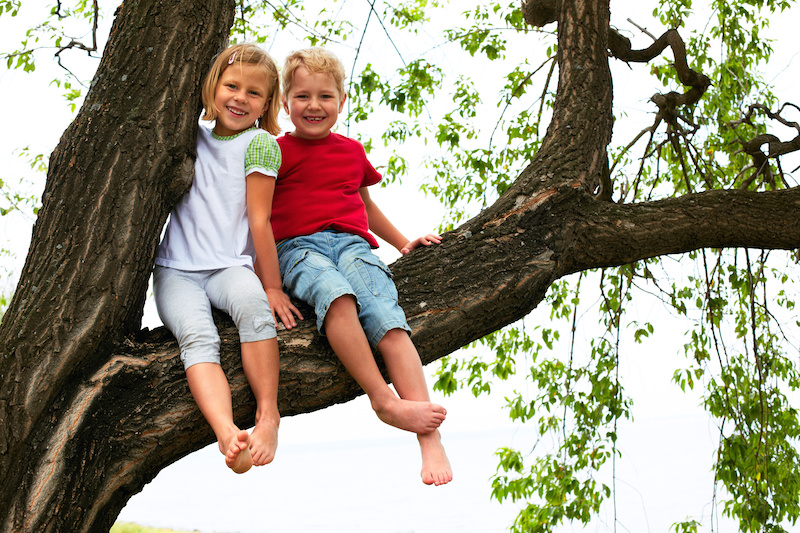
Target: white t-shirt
x=208, y=229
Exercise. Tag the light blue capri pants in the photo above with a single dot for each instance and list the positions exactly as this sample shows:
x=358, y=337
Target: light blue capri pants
x=184, y=300
x=321, y=267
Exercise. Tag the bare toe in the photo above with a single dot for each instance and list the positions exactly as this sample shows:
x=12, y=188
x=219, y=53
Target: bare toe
x=237, y=455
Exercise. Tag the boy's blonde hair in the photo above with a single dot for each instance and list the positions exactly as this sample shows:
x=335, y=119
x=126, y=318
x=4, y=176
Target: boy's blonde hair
x=318, y=61
x=245, y=54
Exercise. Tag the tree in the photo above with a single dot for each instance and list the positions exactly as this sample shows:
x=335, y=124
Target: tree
x=93, y=408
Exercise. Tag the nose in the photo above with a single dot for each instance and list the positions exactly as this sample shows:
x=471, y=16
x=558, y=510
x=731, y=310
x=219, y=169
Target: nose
x=313, y=103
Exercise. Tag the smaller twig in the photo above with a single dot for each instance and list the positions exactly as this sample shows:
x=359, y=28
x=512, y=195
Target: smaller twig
x=643, y=30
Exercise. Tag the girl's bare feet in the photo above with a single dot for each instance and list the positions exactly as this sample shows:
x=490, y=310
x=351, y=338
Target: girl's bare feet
x=435, y=464
x=237, y=452
x=417, y=417
x=264, y=442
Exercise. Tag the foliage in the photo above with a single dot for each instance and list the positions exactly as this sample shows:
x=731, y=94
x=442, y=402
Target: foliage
x=127, y=527
x=477, y=133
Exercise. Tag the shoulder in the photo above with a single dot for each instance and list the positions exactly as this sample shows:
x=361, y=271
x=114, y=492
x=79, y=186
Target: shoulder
x=341, y=139
x=262, y=152
x=285, y=139
x=204, y=135
x=346, y=142
x=263, y=140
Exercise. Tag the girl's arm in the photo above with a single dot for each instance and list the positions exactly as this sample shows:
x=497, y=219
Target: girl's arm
x=260, y=189
x=383, y=228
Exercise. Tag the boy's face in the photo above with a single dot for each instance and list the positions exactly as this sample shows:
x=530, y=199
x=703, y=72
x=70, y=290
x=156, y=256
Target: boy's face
x=313, y=104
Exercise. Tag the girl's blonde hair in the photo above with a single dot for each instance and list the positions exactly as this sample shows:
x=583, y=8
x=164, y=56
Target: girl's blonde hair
x=245, y=54
x=318, y=61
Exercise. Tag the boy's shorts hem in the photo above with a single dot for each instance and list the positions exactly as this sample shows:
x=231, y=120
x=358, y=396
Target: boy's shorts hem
x=321, y=310
x=385, y=328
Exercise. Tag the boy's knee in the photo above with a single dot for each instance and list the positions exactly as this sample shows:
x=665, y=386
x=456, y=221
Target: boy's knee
x=345, y=302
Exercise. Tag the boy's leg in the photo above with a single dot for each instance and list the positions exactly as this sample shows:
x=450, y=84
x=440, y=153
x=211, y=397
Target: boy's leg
x=238, y=291
x=213, y=396
x=185, y=310
x=318, y=269
x=350, y=344
x=405, y=370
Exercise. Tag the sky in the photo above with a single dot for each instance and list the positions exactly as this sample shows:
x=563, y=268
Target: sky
x=359, y=474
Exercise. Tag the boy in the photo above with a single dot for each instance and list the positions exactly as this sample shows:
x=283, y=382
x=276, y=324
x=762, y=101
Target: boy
x=321, y=218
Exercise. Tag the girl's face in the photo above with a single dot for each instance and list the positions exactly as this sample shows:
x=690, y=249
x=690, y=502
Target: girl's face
x=241, y=98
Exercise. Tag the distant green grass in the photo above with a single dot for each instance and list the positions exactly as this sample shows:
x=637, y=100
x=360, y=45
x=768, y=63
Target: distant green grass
x=127, y=527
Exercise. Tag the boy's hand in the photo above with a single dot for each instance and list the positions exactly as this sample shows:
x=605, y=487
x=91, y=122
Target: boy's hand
x=427, y=240
x=282, y=308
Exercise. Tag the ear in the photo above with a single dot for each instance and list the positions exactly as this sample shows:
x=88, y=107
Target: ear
x=341, y=104
x=285, y=105
x=266, y=105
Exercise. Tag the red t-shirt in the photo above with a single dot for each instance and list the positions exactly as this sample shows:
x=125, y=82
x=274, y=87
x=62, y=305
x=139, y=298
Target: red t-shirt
x=317, y=187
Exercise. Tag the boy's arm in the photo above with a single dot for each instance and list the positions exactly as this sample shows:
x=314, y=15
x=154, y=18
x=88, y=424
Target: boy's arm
x=383, y=228
x=260, y=189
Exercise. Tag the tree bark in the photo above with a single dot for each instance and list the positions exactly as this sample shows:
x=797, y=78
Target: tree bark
x=113, y=178
x=93, y=409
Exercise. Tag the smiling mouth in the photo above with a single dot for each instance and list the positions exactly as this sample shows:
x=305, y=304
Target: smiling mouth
x=237, y=112
x=314, y=119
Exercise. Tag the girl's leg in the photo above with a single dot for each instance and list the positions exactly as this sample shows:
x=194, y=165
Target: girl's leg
x=213, y=396
x=185, y=310
x=239, y=292
x=262, y=366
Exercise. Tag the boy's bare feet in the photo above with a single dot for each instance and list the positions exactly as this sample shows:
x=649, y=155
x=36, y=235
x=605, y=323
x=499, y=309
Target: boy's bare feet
x=435, y=465
x=237, y=452
x=417, y=417
x=264, y=442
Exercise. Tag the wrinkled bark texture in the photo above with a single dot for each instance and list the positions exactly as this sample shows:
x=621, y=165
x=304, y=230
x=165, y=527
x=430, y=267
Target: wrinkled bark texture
x=92, y=409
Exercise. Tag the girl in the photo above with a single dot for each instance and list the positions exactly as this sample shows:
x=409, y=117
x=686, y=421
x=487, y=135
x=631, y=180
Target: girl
x=207, y=257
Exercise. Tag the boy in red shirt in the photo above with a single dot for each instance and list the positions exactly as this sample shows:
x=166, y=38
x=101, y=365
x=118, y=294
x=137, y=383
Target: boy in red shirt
x=322, y=215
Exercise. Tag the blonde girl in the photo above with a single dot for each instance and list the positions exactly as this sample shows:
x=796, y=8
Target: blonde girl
x=207, y=257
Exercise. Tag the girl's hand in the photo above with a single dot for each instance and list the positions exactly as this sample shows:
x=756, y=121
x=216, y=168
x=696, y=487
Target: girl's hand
x=282, y=308
x=427, y=240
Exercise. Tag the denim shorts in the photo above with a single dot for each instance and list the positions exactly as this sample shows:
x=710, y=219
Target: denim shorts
x=184, y=300
x=321, y=267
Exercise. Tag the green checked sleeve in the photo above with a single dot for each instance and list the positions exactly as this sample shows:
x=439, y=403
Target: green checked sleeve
x=263, y=155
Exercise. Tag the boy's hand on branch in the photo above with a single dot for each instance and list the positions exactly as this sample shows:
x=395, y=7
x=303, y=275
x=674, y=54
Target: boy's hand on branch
x=282, y=308
x=427, y=240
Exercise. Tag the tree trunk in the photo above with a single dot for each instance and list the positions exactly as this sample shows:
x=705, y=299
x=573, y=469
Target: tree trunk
x=113, y=178
x=92, y=410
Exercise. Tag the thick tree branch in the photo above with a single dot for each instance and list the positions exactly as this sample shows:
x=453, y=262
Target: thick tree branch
x=92, y=410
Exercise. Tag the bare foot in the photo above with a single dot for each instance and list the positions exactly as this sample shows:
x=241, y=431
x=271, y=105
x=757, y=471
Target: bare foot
x=417, y=417
x=263, y=443
x=435, y=464
x=237, y=452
